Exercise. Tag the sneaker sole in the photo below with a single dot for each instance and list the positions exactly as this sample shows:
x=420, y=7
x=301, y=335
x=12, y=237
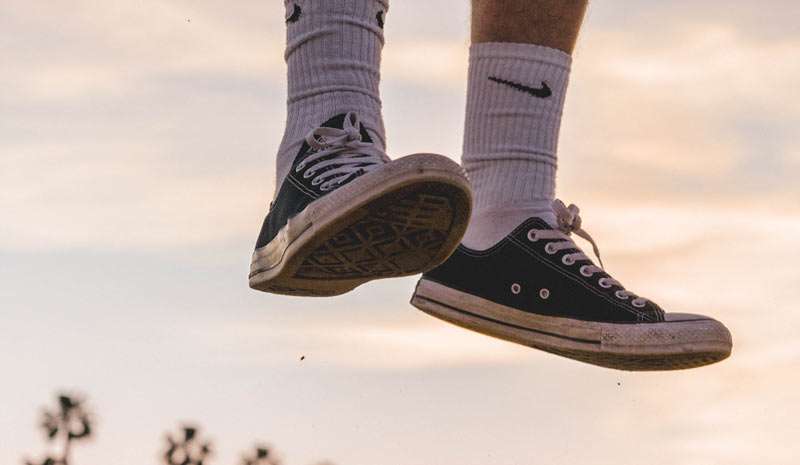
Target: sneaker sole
x=401, y=220
x=683, y=341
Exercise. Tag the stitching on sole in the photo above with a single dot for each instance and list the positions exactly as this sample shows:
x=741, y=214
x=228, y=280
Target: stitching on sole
x=397, y=241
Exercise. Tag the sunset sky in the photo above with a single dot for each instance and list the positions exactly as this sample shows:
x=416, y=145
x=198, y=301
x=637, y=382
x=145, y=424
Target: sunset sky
x=137, y=143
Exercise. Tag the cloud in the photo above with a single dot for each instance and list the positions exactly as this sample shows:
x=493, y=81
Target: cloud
x=370, y=347
x=135, y=104
x=683, y=110
x=431, y=63
x=111, y=48
x=150, y=126
x=86, y=196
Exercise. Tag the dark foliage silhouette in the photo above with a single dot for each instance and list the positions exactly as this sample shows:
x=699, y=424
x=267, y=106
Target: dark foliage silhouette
x=188, y=449
x=262, y=455
x=69, y=422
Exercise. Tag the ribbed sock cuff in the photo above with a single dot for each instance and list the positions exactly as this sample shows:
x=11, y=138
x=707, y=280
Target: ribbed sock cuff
x=515, y=98
x=514, y=104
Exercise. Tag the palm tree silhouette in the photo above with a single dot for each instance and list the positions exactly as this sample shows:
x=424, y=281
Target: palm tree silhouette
x=188, y=450
x=69, y=422
x=262, y=455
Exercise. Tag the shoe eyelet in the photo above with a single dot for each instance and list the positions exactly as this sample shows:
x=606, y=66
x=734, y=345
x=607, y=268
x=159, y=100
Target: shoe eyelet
x=567, y=260
x=604, y=283
x=549, y=249
x=308, y=174
x=532, y=235
x=516, y=288
x=316, y=182
x=325, y=187
x=544, y=293
x=585, y=271
x=299, y=167
x=638, y=303
x=620, y=295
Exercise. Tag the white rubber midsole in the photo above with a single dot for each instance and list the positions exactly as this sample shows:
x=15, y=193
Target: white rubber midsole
x=680, y=333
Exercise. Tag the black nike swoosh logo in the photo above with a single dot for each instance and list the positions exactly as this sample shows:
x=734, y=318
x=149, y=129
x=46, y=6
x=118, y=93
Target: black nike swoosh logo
x=541, y=92
x=295, y=14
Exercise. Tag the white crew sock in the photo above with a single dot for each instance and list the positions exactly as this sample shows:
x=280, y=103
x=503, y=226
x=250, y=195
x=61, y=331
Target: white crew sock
x=511, y=135
x=333, y=53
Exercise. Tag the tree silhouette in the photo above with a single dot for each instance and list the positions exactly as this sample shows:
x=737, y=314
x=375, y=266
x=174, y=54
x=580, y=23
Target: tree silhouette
x=69, y=422
x=262, y=455
x=188, y=450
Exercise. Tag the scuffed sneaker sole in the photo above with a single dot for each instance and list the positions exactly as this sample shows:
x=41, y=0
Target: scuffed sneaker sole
x=398, y=221
x=682, y=341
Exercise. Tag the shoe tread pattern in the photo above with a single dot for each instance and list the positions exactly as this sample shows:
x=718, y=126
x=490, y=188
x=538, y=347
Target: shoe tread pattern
x=397, y=239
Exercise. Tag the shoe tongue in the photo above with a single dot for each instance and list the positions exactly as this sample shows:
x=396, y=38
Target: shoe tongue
x=337, y=122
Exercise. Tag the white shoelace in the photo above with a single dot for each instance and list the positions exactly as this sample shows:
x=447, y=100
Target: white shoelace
x=339, y=154
x=569, y=221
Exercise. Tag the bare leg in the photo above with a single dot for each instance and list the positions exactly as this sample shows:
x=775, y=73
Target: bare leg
x=551, y=23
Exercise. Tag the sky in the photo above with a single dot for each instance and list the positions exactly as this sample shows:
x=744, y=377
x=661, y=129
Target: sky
x=137, y=143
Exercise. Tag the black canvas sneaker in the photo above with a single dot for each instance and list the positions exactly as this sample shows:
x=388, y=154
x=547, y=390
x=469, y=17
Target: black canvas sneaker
x=535, y=287
x=346, y=214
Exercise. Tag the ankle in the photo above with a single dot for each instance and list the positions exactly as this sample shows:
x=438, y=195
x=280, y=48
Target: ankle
x=488, y=225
